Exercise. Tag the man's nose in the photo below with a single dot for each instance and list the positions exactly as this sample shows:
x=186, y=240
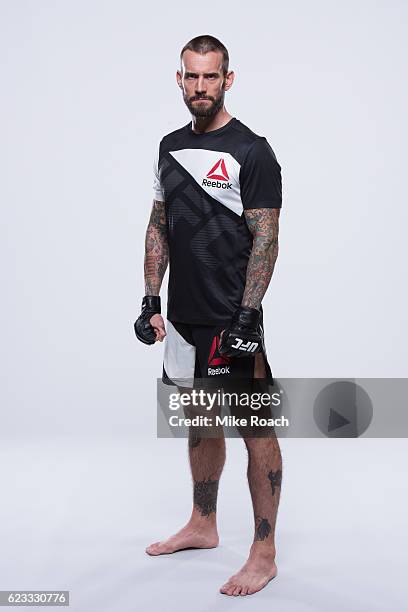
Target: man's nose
x=200, y=85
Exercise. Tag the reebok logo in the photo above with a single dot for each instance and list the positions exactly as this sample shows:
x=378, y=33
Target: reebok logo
x=214, y=358
x=218, y=171
x=217, y=184
x=216, y=371
x=219, y=176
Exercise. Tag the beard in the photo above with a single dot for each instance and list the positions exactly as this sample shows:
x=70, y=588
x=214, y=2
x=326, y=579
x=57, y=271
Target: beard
x=199, y=110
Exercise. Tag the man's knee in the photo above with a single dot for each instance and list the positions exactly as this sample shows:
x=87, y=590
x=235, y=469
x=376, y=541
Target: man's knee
x=263, y=446
x=199, y=437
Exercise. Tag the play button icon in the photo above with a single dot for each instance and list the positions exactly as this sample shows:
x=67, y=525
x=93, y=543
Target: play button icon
x=336, y=420
x=343, y=409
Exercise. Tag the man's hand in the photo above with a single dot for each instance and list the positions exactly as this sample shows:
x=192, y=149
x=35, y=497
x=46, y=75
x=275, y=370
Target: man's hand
x=244, y=335
x=149, y=326
x=157, y=323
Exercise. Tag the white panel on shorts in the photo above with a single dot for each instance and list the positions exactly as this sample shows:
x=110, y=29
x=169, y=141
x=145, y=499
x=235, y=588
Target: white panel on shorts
x=199, y=162
x=179, y=358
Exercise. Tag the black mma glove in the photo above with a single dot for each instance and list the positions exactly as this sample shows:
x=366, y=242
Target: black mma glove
x=143, y=330
x=244, y=335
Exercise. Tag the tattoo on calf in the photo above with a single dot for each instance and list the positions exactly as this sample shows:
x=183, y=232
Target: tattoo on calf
x=205, y=496
x=262, y=528
x=275, y=479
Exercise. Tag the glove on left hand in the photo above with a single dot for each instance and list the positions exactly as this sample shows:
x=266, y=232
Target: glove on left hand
x=244, y=335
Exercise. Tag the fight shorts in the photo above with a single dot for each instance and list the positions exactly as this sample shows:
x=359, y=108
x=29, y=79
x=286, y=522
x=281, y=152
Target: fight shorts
x=192, y=352
x=192, y=361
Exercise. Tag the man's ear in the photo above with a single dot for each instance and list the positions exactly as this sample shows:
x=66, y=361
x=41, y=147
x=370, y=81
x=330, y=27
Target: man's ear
x=229, y=79
x=178, y=79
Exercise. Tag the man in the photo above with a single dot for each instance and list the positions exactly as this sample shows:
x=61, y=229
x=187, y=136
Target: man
x=215, y=221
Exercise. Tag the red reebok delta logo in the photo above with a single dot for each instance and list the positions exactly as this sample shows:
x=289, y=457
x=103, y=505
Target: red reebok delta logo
x=219, y=166
x=218, y=176
x=214, y=357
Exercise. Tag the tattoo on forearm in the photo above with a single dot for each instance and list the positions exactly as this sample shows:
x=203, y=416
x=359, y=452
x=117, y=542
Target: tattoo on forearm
x=263, y=223
x=275, y=479
x=262, y=528
x=205, y=496
x=156, y=249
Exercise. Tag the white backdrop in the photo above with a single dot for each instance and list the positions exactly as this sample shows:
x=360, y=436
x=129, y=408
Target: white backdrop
x=87, y=90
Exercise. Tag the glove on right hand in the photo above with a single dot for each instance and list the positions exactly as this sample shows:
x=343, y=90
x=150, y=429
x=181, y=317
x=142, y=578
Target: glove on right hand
x=143, y=330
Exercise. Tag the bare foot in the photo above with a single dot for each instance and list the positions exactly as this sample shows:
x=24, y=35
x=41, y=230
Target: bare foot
x=253, y=576
x=191, y=536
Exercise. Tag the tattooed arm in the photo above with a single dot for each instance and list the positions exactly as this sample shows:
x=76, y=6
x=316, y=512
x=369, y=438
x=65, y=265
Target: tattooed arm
x=156, y=260
x=156, y=249
x=263, y=223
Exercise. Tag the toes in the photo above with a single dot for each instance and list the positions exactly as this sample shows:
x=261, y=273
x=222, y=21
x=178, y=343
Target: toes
x=254, y=588
x=157, y=549
x=226, y=588
x=152, y=548
x=245, y=583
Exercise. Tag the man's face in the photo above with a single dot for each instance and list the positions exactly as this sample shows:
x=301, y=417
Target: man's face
x=203, y=82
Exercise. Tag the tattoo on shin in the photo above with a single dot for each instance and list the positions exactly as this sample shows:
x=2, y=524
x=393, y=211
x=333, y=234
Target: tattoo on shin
x=275, y=479
x=262, y=528
x=205, y=496
x=194, y=440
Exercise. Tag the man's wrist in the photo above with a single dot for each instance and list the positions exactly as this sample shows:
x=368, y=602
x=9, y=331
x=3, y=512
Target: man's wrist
x=248, y=316
x=152, y=303
x=251, y=301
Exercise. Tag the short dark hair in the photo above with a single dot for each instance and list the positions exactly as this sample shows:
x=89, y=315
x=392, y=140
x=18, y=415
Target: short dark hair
x=205, y=43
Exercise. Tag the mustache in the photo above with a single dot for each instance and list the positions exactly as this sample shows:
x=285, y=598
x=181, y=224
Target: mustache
x=194, y=98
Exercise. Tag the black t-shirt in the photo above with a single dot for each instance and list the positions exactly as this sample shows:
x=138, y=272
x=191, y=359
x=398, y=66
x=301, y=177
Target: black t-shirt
x=207, y=181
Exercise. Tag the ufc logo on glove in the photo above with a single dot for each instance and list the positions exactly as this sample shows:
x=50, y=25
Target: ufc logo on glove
x=249, y=347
